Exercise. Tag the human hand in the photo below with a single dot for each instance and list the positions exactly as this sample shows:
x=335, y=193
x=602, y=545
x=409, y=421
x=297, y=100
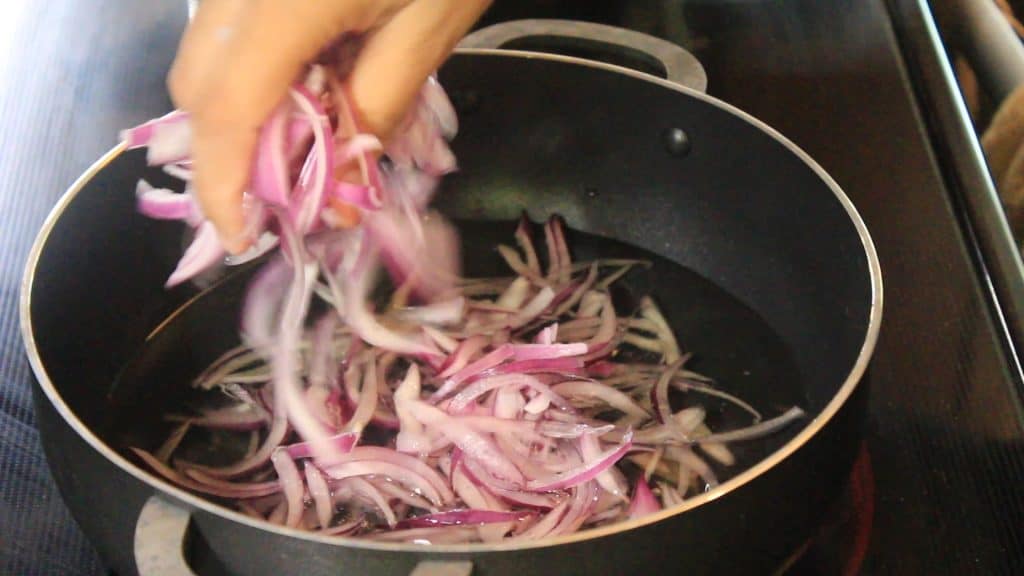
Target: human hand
x=238, y=58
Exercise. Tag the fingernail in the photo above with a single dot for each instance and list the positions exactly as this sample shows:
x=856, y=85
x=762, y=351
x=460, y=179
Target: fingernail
x=235, y=244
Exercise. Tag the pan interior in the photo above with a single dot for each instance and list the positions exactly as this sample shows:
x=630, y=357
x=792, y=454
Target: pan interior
x=729, y=342
x=742, y=211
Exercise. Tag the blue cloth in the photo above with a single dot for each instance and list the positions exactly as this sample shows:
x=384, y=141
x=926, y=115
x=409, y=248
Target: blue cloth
x=37, y=534
x=71, y=75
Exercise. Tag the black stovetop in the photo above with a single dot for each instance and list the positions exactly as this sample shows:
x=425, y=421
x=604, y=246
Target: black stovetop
x=861, y=85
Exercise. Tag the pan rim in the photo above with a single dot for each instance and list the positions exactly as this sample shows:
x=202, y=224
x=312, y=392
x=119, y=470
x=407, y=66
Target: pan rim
x=194, y=502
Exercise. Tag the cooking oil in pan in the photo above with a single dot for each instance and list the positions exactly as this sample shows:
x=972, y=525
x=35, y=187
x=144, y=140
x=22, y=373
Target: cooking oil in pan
x=729, y=343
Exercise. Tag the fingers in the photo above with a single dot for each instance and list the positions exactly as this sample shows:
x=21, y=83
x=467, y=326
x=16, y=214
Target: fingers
x=393, y=65
x=396, y=59
x=202, y=47
x=239, y=57
x=229, y=100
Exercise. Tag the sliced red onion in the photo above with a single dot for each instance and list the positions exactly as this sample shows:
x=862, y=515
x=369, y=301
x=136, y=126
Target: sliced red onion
x=718, y=451
x=687, y=386
x=602, y=369
x=163, y=454
x=426, y=251
x=564, y=260
x=402, y=494
x=555, y=429
x=359, y=195
x=603, y=393
x=443, y=341
x=580, y=506
x=546, y=351
x=606, y=332
x=383, y=418
x=473, y=494
x=357, y=145
x=182, y=171
x=651, y=312
x=444, y=313
x=567, y=366
x=539, y=500
x=321, y=360
x=165, y=204
x=522, y=432
x=584, y=473
x=549, y=335
x=421, y=142
x=234, y=490
x=515, y=295
x=489, y=360
x=757, y=430
x=263, y=303
x=688, y=460
x=143, y=134
x=462, y=517
x=369, y=329
x=659, y=398
x=590, y=448
x=436, y=100
x=205, y=251
x=517, y=381
x=688, y=419
x=508, y=403
x=526, y=244
x=318, y=172
x=416, y=482
x=515, y=262
x=291, y=485
x=277, y=433
x=463, y=354
x=546, y=524
x=554, y=256
x=405, y=461
x=473, y=445
x=167, y=139
x=284, y=355
x=577, y=294
x=367, y=396
x=269, y=180
x=321, y=494
x=341, y=443
x=345, y=528
x=538, y=405
x=534, y=308
x=411, y=437
x=370, y=493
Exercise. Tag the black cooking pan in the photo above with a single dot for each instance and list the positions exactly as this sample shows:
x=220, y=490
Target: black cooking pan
x=761, y=262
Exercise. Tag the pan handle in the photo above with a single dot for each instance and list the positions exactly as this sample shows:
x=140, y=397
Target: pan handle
x=679, y=66
x=161, y=533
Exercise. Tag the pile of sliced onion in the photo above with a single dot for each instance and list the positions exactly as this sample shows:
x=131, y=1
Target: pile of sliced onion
x=464, y=410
